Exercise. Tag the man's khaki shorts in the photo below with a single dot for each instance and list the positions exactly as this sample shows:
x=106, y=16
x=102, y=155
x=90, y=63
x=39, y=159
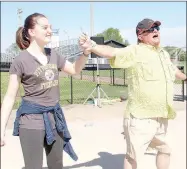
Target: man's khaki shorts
x=143, y=133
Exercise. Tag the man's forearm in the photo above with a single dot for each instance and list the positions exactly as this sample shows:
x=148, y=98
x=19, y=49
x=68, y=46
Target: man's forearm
x=89, y=45
x=180, y=75
x=104, y=51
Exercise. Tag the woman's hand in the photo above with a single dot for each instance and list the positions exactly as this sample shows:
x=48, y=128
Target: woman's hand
x=86, y=43
x=2, y=140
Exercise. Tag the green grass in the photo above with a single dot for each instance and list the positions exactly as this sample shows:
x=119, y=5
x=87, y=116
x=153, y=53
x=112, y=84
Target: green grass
x=81, y=90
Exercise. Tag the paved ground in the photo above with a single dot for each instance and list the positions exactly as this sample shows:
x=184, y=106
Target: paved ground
x=98, y=141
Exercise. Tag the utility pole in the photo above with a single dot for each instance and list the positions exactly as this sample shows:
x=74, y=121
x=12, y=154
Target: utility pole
x=91, y=19
x=19, y=14
x=68, y=43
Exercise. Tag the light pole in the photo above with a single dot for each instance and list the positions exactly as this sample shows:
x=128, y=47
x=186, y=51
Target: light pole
x=68, y=42
x=66, y=34
x=19, y=12
x=98, y=89
x=91, y=19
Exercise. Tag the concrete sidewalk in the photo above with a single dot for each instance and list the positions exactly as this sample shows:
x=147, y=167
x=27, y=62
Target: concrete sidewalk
x=98, y=141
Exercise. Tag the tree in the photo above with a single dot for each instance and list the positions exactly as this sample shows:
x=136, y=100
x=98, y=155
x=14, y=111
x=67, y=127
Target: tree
x=126, y=43
x=13, y=50
x=182, y=56
x=112, y=34
x=176, y=53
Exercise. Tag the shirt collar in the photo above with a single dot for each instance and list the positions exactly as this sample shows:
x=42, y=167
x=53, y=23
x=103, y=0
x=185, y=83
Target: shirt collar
x=159, y=48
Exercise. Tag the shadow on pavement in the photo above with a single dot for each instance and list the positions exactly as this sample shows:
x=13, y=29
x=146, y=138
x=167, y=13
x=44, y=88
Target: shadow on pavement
x=105, y=161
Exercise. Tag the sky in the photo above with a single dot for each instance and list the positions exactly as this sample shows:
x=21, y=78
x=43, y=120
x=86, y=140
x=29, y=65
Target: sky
x=70, y=17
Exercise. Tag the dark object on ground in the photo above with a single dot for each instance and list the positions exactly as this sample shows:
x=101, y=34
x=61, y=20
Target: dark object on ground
x=123, y=98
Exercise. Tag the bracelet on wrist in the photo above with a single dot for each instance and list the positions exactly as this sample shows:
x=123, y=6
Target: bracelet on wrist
x=84, y=54
x=94, y=44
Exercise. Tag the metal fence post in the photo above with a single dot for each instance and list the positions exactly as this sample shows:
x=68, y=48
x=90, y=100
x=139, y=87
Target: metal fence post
x=81, y=75
x=71, y=81
x=182, y=69
x=93, y=73
x=110, y=76
x=183, y=91
x=124, y=76
x=113, y=76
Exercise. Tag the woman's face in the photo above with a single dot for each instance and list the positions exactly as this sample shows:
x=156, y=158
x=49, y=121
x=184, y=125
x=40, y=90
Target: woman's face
x=42, y=31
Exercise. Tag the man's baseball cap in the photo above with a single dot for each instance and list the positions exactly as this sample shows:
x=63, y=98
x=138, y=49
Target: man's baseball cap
x=146, y=24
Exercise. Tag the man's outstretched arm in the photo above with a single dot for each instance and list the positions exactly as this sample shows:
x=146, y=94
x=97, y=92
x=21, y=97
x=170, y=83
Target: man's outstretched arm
x=180, y=75
x=101, y=50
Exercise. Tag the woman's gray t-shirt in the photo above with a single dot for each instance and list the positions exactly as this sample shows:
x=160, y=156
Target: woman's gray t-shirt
x=40, y=83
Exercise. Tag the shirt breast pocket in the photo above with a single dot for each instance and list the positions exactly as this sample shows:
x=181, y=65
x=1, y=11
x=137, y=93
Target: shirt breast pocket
x=148, y=71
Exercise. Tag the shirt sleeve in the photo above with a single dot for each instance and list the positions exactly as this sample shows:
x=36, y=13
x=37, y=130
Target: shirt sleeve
x=124, y=57
x=171, y=65
x=61, y=60
x=16, y=67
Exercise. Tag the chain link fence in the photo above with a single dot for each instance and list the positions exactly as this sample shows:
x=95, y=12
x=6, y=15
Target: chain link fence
x=82, y=85
x=76, y=89
x=179, y=87
x=178, y=57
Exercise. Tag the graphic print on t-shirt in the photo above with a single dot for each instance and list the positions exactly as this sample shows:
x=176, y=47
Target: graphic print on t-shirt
x=49, y=74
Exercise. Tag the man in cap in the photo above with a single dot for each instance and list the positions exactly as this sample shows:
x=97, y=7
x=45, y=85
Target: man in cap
x=151, y=76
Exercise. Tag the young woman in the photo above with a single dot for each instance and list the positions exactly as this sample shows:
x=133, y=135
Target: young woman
x=39, y=121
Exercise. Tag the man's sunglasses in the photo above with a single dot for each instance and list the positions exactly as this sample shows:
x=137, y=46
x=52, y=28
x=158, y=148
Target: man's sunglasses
x=152, y=29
